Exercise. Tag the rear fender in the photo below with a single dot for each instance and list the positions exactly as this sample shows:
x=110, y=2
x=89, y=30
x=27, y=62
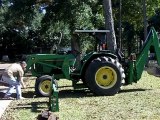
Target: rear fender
x=86, y=62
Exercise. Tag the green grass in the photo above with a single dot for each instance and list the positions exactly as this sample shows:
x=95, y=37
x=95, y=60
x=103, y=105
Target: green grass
x=134, y=102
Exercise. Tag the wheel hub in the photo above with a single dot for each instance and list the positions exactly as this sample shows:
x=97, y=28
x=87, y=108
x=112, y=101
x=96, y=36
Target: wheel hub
x=106, y=77
x=45, y=86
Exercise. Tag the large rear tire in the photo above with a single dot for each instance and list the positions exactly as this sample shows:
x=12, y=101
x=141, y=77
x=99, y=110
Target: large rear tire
x=43, y=86
x=104, y=76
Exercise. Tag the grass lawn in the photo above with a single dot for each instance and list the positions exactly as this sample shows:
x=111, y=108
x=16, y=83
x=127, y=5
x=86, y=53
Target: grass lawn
x=134, y=102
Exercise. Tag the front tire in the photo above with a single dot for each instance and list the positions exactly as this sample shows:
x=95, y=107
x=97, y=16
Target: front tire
x=43, y=85
x=104, y=76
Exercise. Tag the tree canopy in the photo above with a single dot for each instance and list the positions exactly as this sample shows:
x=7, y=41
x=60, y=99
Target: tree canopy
x=29, y=26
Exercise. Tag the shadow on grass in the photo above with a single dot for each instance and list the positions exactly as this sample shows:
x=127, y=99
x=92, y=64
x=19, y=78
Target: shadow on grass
x=88, y=93
x=75, y=93
x=36, y=107
x=30, y=87
x=29, y=94
x=133, y=90
x=2, y=94
x=72, y=93
x=78, y=93
x=65, y=93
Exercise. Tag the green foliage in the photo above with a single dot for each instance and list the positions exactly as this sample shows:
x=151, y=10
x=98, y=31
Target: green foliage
x=67, y=16
x=132, y=21
x=3, y=11
x=36, y=29
x=155, y=20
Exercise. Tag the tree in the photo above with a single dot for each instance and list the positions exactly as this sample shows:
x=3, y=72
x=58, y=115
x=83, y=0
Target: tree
x=112, y=45
x=24, y=17
x=68, y=16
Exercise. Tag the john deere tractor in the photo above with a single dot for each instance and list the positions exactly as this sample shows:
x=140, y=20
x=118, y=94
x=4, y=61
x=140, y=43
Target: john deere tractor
x=102, y=71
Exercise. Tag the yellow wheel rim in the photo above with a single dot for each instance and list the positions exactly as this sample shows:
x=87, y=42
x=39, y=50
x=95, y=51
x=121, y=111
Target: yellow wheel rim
x=45, y=87
x=106, y=77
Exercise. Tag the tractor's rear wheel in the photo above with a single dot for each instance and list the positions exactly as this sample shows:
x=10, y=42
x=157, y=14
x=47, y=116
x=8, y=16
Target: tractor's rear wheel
x=104, y=76
x=43, y=85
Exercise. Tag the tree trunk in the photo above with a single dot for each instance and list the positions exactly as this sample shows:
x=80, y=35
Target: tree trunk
x=75, y=46
x=109, y=22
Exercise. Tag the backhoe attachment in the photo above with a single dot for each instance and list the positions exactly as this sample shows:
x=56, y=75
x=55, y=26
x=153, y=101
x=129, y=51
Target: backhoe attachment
x=137, y=62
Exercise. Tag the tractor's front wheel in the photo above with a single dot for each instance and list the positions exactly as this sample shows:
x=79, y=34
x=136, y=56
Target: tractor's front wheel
x=43, y=85
x=104, y=76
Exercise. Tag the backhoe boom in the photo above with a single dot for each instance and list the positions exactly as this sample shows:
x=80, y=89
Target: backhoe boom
x=136, y=66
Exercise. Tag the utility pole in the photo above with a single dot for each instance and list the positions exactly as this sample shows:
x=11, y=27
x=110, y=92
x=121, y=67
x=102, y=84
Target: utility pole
x=145, y=19
x=120, y=24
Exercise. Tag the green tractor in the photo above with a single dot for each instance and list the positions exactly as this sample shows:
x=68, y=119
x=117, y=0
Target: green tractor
x=102, y=71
